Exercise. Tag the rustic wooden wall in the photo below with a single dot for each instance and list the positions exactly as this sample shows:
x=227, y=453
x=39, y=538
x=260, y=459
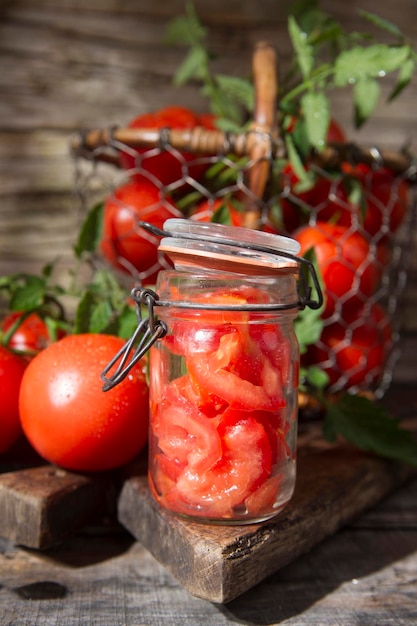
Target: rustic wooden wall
x=69, y=65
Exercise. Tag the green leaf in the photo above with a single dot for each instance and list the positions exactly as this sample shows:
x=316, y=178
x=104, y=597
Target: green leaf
x=187, y=29
x=101, y=316
x=404, y=78
x=127, y=322
x=356, y=194
x=28, y=296
x=370, y=428
x=313, y=377
x=82, y=314
x=374, y=61
x=366, y=93
x=238, y=89
x=294, y=158
x=316, y=111
x=303, y=50
x=308, y=327
x=91, y=231
x=382, y=23
x=222, y=103
x=193, y=67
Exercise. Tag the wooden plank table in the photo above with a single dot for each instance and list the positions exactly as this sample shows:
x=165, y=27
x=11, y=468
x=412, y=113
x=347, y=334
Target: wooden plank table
x=363, y=574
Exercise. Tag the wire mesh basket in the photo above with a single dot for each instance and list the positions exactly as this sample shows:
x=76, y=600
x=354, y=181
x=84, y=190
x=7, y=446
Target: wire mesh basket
x=356, y=219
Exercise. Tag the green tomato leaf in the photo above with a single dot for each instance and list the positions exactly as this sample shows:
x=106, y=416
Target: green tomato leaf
x=101, y=317
x=404, y=78
x=304, y=176
x=382, y=23
x=370, y=428
x=366, y=93
x=308, y=328
x=316, y=111
x=313, y=377
x=374, y=61
x=28, y=296
x=186, y=29
x=303, y=50
x=127, y=322
x=91, y=231
x=193, y=67
x=92, y=315
x=238, y=89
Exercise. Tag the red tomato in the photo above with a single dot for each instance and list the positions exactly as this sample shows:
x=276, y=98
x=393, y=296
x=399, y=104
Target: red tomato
x=335, y=133
x=67, y=417
x=31, y=336
x=385, y=200
x=208, y=120
x=354, y=353
x=226, y=211
x=343, y=258
x=12, y=368
x=165, y=166
x=126, y=245
x=209, y=210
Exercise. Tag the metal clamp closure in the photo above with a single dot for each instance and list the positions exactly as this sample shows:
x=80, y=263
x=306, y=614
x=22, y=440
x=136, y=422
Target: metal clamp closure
x=149, y=329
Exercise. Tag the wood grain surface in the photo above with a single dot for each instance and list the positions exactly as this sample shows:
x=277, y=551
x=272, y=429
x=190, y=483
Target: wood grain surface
x=218, y=563
x=364, y=574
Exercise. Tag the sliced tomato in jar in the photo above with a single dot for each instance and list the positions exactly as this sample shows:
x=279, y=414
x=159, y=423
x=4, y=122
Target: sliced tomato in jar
x=244, y=379
x=245, y=464
x=183, y=432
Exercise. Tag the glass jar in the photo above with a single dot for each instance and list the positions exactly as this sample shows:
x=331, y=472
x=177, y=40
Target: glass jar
x=224, y=367
x=223, y=380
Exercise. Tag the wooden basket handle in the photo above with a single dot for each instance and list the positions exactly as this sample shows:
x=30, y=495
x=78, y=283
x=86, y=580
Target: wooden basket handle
x=264, y=128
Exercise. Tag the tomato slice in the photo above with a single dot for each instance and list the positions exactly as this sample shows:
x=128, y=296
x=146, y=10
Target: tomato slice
x=239, y=374
x=183, y=432
x=245, y=464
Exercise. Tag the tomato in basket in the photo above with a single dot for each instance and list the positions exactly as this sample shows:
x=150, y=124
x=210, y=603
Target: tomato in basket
x=349, y=272
x=124, y=243
x=354, y=351
x=165, y=166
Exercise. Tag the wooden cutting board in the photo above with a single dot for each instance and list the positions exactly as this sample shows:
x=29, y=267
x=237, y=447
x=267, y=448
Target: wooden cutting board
x=41, y=505
x=335, y=484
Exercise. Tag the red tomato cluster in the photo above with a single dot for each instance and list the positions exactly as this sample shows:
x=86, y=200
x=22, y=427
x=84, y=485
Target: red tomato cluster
x=218, y=443
x=352, y=251
x=126, y=245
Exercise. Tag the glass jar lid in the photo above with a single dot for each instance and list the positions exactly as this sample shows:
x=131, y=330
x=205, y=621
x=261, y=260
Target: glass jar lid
x=217, y=247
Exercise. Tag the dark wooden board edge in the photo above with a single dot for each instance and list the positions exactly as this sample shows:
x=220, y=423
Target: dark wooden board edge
x=41, y=506
x=335, y=484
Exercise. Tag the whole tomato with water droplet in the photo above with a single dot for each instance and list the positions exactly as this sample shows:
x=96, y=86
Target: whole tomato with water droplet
x=12, y=368
x=67, y=417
